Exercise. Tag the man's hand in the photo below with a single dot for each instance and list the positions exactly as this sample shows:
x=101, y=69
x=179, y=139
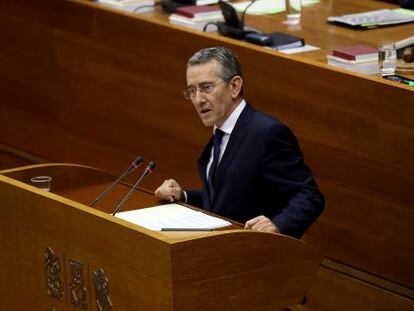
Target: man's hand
x=170, y=190
x=261, y=223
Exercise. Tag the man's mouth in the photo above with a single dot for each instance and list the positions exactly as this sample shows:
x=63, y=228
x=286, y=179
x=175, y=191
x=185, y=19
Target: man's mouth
x=204, y=111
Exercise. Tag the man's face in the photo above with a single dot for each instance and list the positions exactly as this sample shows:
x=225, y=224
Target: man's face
x=214, y=106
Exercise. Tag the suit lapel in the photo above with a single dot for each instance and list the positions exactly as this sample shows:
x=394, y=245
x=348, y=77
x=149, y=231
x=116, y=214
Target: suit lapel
x=202, y=167
x=236, y=138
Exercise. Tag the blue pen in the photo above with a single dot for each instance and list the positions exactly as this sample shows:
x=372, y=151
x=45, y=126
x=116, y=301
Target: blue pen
x=400, y=79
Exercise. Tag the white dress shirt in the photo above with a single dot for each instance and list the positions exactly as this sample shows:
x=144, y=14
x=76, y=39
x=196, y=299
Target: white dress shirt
x=227, y=127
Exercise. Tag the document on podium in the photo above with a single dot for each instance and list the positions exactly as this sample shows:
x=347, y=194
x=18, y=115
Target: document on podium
x=172, y=217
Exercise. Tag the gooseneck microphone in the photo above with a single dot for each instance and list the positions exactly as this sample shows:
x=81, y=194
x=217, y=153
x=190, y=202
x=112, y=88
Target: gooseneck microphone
x=134, y=165
x=245, y=11
x=232, y=26
x=148, y=170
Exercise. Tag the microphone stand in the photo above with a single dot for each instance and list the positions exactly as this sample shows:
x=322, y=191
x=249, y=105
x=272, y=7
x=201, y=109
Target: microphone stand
x=232, y=27
x=245, y=11
x=134, y=165
x=148, y=170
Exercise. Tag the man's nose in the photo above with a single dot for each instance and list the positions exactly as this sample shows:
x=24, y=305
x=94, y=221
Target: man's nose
x=199, y=97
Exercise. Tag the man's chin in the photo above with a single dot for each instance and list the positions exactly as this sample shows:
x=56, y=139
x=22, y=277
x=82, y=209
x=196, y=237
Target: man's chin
x=207, y=122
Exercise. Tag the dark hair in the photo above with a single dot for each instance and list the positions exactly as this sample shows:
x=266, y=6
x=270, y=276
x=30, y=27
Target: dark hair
x=230, y=65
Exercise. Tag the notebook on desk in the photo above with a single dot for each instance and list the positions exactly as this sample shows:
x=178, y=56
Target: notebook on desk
x=373, y=19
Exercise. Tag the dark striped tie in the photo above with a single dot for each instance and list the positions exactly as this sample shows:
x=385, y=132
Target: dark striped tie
x=218, y=136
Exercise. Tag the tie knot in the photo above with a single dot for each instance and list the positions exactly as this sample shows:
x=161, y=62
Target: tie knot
x=218, y=136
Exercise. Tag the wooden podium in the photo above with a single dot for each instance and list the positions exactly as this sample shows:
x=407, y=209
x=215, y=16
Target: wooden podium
x=59, y=254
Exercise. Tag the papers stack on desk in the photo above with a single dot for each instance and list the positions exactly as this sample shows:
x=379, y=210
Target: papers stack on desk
x=404, y=43
x=199, y=11
x=373, y=19
x=196, y=17
x=357, y=58
x=137, y=6
x=267, y=6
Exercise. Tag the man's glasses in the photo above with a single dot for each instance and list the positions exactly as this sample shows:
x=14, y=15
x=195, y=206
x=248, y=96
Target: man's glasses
x=206, y=88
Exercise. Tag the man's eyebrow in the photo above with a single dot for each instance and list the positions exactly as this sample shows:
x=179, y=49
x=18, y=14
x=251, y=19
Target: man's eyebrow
x=205, y=82
x=201, y=83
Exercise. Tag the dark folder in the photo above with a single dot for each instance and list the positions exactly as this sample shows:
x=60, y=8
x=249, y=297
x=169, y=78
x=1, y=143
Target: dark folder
x=282, y=41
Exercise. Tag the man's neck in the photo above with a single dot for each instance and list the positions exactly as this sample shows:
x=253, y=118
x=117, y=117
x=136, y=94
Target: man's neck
x=228, y=125
x=234, y=106
x=236, y=103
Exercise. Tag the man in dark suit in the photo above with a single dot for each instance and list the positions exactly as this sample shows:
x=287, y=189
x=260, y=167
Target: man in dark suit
x=252, y=169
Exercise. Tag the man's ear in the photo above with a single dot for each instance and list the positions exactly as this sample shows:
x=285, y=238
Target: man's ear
x=236, y=84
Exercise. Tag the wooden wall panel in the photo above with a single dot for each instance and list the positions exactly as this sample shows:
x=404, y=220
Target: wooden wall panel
x=8, y=160
x=87, y=85
x=345, y=293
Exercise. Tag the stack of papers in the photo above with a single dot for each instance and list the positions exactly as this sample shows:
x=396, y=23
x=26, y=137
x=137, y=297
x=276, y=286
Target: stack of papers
x=172, y=216
x=136, y=6
x=267, y=6
x=374, y=19
x=195, y=23
x=357, y=58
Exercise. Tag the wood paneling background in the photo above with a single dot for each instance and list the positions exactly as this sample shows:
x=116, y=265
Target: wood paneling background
x=87, y=85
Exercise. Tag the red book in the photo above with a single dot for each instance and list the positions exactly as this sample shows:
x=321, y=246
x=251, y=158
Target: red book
x=357, y=53
x=198, y=11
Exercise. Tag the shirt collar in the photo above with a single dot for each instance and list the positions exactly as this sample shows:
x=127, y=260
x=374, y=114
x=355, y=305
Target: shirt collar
x=228, y=125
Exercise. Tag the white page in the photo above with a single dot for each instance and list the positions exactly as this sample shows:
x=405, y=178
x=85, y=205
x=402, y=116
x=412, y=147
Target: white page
x=267, y=6
x=172, y=216
x=261, y=7
x=301, y=49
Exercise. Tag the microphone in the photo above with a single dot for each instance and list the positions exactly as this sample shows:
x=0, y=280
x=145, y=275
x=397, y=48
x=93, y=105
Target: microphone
x=134, y=165
x=148, y=170
x=232, y=26
x=245, y=11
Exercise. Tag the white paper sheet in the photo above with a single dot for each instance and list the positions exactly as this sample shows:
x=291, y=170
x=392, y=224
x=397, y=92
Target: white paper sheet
x=267, y=6
x=302, y=49
x=172, y=216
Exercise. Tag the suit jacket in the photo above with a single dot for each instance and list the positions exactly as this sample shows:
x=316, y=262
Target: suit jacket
x=262, y=172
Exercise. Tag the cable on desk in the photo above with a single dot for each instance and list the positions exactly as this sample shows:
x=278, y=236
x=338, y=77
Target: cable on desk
x=208, y=24
x=136, y=9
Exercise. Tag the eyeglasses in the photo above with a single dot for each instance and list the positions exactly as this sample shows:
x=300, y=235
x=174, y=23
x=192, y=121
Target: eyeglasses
x=206, y=88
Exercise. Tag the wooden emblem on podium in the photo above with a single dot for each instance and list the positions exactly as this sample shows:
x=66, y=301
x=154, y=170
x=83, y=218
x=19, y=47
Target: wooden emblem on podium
x=54, y=287
x=78, y=292
x=103, y=301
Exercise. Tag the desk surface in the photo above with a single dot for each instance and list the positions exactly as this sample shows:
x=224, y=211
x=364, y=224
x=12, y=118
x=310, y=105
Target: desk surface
x=317, y=32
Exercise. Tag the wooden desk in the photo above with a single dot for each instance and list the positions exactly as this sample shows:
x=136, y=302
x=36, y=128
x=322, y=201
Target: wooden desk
x=84, y=84
x=317, y=32
x=156, y=271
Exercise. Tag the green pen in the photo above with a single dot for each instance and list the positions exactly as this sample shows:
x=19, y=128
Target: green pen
x=400, y=79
